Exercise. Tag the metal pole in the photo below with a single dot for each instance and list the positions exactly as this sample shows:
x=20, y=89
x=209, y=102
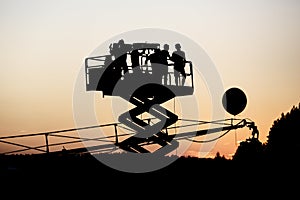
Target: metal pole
x=47, y=143
x=116, y=134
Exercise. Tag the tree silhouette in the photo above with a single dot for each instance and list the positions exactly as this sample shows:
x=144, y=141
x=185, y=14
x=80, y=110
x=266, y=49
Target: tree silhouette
x=283, y=141
x=284, y=136
x=249, y=150
x=219, y=157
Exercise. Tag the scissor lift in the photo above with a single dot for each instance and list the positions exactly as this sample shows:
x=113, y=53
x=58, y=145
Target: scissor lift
x=141, y=87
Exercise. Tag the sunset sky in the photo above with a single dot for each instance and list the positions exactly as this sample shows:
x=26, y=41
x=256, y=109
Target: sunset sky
x=254, y=45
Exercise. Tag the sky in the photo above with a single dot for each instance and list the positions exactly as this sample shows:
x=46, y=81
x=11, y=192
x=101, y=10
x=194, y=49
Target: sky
x=254, y=45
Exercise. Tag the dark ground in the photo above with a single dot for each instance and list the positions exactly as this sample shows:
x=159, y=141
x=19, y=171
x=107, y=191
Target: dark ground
x=187, y=176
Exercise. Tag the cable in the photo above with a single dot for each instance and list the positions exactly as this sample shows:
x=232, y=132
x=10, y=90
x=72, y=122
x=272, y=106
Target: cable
x=235, y=139
x=174, y=109
x=203, y=141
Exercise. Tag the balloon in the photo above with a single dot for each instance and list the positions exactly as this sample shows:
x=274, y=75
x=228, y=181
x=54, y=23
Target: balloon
x=234, y=101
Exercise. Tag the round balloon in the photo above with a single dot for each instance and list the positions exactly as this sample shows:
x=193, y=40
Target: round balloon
x=234, y=101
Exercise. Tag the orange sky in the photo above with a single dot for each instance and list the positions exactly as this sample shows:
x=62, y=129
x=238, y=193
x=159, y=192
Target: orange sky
x=254, y=45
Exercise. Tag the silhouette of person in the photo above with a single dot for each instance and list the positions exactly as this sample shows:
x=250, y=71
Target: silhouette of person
x=121, y=56
x=178, y=57
x=164, y=57
x=135, y=58
x=155, y=60
x=255, y=132
x=113, y=50
x=115, y=69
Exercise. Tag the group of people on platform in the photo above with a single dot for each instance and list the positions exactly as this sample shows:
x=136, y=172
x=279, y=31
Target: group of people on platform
x=158, y=58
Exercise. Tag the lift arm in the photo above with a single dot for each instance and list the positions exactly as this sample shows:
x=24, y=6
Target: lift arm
x=227, y=128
